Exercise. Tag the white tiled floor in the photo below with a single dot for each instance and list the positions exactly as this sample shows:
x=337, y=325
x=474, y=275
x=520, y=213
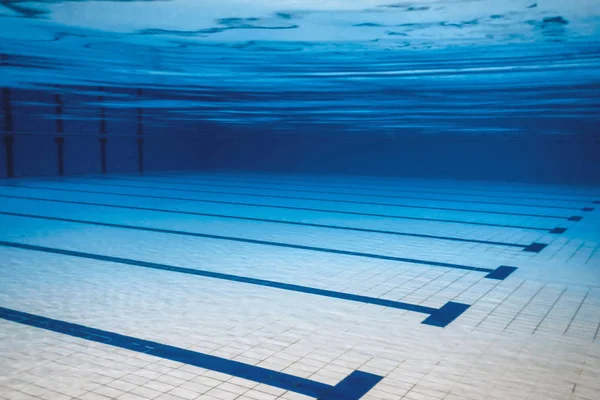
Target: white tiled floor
x=533, y=335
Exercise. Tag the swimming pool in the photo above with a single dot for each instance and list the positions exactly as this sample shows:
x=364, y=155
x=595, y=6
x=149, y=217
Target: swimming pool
x=283, y=199
x=199, y=285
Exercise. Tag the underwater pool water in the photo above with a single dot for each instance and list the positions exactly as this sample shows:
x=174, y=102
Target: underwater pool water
x=290, y=199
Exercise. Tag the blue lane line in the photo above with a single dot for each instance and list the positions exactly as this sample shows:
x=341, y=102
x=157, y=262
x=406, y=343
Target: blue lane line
x=501, y=272
x=196, y=183
x=535, y=247
x=437, y=317
x=353, y=387
x=381, y=188
x=254, y=241
x=162, y=210
x=334, y=201
x=146, y=196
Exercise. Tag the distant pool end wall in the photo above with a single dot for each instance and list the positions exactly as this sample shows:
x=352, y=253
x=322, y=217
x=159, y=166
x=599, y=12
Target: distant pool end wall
x=47, y=134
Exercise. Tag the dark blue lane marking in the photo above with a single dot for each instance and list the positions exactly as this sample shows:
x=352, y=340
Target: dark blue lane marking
x=535, y=247
x=259, y=242
x=188, y=183
x=446, y=314
x=420, y=235
x=333, y=201
x=575, y=218
x=587, y=209
x=146, y=196
x=438, y=317
x=353, y=387
x=558, y=230
x=501, y=272
x=379, y=188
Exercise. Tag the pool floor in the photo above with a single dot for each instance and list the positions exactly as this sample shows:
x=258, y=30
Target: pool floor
x=223, y=285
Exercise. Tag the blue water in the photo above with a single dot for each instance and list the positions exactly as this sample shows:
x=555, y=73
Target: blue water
x=332, y=199
x=459, y=89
